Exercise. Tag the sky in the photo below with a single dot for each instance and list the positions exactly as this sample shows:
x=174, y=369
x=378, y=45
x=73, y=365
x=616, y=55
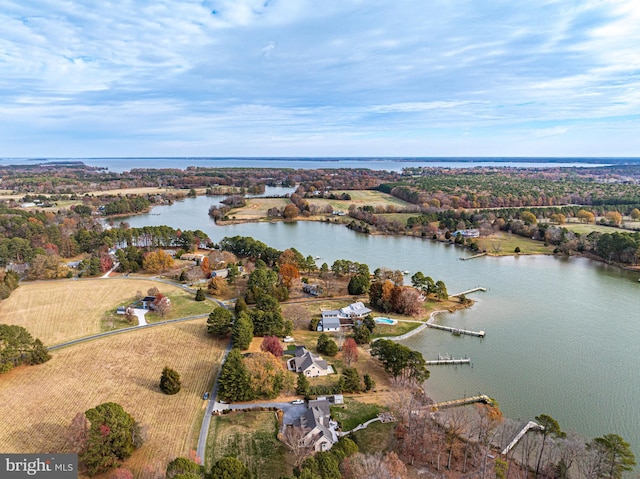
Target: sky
x=297, y=78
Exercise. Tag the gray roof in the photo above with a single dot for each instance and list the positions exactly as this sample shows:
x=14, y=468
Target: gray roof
x=305, y=358
x=330, y=323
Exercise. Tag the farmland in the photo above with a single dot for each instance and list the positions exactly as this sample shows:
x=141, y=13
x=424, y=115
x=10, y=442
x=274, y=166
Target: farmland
x=58, y=311
x=42, y=400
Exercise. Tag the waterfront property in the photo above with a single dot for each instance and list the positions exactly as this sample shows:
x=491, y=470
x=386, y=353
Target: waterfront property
x=318, y=428
x=309, y=364
x=345, y=316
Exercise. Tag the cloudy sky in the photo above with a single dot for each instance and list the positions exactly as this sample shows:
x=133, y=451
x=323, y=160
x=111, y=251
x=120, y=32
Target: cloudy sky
x=319, y=78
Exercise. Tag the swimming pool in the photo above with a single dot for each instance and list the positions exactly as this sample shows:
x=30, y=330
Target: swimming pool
x=385, y=321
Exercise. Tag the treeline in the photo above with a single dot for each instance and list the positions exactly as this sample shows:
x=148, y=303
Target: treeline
x=126, y=205
x=17, y=347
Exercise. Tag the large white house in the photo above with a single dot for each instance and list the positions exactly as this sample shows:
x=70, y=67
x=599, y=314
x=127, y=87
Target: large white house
x=331, y=318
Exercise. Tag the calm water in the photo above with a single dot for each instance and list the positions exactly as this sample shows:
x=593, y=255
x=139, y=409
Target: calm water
x=563, y=335
x=389, y=164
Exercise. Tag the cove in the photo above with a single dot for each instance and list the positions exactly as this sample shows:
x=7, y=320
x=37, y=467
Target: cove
x=562, y=334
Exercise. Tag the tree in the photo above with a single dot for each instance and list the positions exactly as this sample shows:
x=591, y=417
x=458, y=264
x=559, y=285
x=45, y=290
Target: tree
x=170, y=381
x=113, y=436
x=39, y=353
x=528, y=217
x=242, y=331
x=302, y=385
x=359, y=284
x=267, y=375
x=613, y=217
x=361, y=334
x=78, y=433
x=161, y=304
x=550, y=427
x=230, y=468
x=157, y=261
x=400, y=361
x=635, y=214
x=290, y=212
x=618, y=455
x=350, y=380
x=121, y=473
x=182, y=465
x=271, y=344
x=200, y=295
x=288, y=274
x=219, y=322
x=234, y=383
x=369, y=383
x=585, y=216
x=293, y=437
x=326, y=345
x=350, y=352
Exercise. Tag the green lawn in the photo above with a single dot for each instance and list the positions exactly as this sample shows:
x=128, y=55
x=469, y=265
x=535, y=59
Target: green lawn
x=353, y=413
x=506, y=243
x=377, y=437
x=251, y=437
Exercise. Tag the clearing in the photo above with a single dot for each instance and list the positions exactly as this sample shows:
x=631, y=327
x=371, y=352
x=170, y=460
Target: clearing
x=42, y=400
x=59, y=311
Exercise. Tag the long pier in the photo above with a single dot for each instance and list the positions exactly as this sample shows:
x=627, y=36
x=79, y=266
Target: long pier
x=461, y=402
x=469, y=291
x=457, y=331
x=447, y=361
x=523, y=431
x=479, y=255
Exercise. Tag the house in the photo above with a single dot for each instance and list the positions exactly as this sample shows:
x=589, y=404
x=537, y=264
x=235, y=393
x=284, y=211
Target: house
x=318, y=428
x=469, y=233
x=345, y=316
x=329, y=325
x=309, y=364
x=312, y=289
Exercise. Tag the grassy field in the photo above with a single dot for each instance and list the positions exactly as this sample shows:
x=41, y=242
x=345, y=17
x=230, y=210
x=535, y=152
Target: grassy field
x=353, y=413
x=256, y=208
x=58, y=311
x=377, y=437
x=42, y=400
x=506, y=243
x=251, y=437
x=360, y=198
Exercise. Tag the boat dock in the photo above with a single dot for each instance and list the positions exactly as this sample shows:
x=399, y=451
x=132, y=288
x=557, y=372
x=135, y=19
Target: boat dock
x=530, y=425
x=457, y=331
x=446, y=359
x=469, y=291
x=462, y=402
x=474, y=256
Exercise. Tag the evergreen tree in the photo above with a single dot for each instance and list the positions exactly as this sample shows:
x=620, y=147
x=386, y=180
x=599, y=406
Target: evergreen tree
x=242, y=332
x=39, y=353
x=234, y=383
x=303, y=385
x=351, y=380
x=181, y=466
x=369, y=383
x=170, y=381
x=219, y=322
x=113, y=436
x=200, y=295
x=230, y=468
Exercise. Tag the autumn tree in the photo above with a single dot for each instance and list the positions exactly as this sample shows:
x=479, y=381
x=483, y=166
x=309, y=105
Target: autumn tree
x=271, y=344
x=349, y=352
x=528, y=217
x=289, y=273
x=157, y=261
x=170, y=381
x=613, y=218
x=161, y=304
x=204, y=266
x=290, y=212
x=585, y=216
x=635, y=214
x=266, y=374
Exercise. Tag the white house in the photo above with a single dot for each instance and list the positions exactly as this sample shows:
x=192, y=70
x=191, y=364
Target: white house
x=319, y=429
x=309, y=364
x=355, y=310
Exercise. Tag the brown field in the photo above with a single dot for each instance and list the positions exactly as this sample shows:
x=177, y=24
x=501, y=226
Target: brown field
x=42, y=400
x=360, y=198
x=58, y=311
x=256, y=208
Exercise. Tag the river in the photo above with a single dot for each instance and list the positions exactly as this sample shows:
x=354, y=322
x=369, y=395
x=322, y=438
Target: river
x=562, y=334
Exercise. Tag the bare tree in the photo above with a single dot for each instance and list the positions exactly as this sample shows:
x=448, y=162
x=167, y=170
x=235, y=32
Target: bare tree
x=78, y=433
x=374, y=466
x=293, y=437
x=298, y=315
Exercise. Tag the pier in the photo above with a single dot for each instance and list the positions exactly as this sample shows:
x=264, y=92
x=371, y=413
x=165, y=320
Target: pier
x=462, y=402
x=457, y=331
x=469, y=291
x=523, y=431
x=448, y=360
x=474, y=256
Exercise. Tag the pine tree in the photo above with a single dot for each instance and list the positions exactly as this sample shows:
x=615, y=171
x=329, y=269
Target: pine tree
x=170, y=381
x=39, y=353
x=234, y=383
x=200, y=295
x=302, y=386
x=242, y=332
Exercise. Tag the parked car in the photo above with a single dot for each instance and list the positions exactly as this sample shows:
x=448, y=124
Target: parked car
x=288, y=339
x=206, y=395
x=298, y=401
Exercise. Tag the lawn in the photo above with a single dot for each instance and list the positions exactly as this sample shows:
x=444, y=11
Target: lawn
x=256, y=208
x=251, y=437
x=58, y=311
x=42, y=400
x=377, y=437
x=354, y=413
x=359, y=198
x=506, y=243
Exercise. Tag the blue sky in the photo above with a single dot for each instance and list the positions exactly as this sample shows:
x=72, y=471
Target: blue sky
x=319, y=78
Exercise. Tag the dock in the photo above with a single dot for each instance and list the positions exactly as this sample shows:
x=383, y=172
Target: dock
x=446, y=359
x=523, y=431
x=469, y=291
x=457, y=331
x=479, y=255
x=462, y=402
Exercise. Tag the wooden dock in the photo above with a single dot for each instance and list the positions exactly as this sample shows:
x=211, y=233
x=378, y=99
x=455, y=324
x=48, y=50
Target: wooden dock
x=469, y=291
x=523, y=431
x=448, y=361
x=479, y=255
x=461, y=402
x=457, y=331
